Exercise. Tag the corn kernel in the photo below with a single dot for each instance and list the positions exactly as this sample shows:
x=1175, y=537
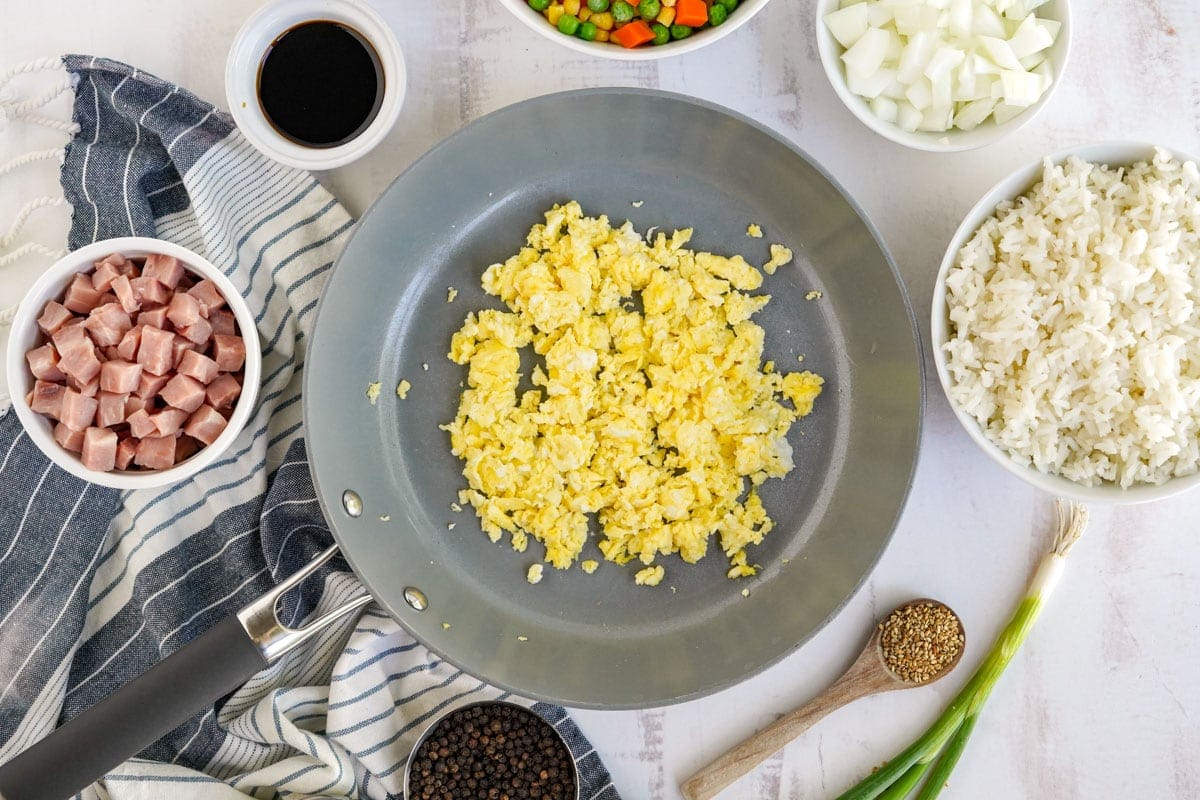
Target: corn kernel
x=554, y=13
x=585, y=14
x=666, y=16
x=669, y=3
x=603, y=21
x=571, y=6
x=601, y=35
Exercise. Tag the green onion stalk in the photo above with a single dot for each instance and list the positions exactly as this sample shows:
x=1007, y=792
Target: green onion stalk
x=932, y=756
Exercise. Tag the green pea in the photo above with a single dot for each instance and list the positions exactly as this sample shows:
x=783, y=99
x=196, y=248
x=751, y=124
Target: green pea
x=729, y=5
x=717, y=14
x=568, y=24
x=649, y=9
x=622, y=11
x=587, y=32
x=662, y=34
x=539, y=5
x=678, y=31
x=598, y=6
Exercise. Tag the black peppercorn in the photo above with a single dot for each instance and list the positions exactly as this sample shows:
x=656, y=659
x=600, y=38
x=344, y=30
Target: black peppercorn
x=492, y=752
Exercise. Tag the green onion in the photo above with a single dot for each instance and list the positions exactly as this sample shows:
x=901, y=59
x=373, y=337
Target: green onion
x=947, y=736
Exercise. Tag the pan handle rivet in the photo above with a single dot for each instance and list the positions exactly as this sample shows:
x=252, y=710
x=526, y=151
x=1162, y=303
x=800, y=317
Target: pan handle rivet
x=352, y=503
x=415, y=598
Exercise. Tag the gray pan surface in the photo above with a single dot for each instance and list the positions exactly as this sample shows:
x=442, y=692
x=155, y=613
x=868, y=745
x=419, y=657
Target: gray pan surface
x=599, y=640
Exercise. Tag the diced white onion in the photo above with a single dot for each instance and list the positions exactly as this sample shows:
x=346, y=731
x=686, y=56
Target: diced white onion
x=931, y=65
x=849, y=23
x=868, y=52
x=885, y=108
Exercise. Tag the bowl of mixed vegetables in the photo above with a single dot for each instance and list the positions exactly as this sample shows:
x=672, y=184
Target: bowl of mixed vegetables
x=634, y=29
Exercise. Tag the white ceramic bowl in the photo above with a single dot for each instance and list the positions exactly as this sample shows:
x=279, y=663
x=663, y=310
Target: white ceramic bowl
x=953, y=140
x=705, y=36
x=251, y=44
x=1112, y=153
x=24, y=337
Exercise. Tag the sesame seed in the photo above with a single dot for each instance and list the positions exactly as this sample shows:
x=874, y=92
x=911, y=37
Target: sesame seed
x=920, y=641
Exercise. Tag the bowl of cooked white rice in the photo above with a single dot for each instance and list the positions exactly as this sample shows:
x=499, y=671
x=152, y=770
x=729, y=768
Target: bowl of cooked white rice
x=1066, y=323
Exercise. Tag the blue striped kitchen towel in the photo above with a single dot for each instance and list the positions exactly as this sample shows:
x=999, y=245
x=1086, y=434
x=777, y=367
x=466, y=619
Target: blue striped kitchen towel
x=96, y=585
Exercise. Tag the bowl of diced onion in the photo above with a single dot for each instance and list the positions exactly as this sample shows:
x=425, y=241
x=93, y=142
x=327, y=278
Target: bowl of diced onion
x=710, y=20
x=944, y=75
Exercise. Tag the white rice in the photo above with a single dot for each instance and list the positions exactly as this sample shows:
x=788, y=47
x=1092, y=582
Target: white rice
x=1075, y=323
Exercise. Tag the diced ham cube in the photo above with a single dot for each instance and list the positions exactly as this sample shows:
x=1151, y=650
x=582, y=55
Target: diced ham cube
x=197, y=366
x=167, y=270
x=82, y=297
x=111, y=409
x=99, y=449
x=223, y=322
x=105, y=272
x=89, y=389
x=134, y=403
x=183, y=392
x=205, y=424
x=153, y=317
x=223, y=391
x=67, y=438
x=120, y=377
x=78, y=410
x=53, y=317
x=148, y=291
x=183, y=310
x=128, y=347
x=107, y=324
x=129, y=268
x=155, y=352
x=47, y=398
x=150, y=384
x=209, y=295
x=43, y=363
x=78, y=360
x=126, y=449
x=169, y=421
x=229, y=352
x=123, y=289
x=69, y=335
x=155, y=452
x=197, y=333
x=141, y=424
x=180, y=347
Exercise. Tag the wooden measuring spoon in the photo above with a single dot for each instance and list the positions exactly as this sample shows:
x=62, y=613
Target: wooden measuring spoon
x=869, y=674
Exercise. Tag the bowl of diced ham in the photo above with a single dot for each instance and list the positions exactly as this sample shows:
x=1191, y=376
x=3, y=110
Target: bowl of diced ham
x=133, y=363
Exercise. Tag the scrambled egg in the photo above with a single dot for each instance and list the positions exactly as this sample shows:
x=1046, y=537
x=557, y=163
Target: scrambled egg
x=373, y=392
x=534, y=575
x=780, y=255
x=451, y=293
x=754, y=231
x=402, y=389
x=650, y=576
x=648, y=410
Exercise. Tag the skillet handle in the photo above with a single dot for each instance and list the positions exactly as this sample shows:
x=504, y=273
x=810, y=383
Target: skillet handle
x=164, y=697
x=134, y=716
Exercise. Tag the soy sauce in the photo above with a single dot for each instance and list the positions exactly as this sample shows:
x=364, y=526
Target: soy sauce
x=320, y=83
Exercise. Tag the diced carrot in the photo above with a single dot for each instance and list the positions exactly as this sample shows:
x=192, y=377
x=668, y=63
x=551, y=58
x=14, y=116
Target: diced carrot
x=692, y=13
x=634, y=33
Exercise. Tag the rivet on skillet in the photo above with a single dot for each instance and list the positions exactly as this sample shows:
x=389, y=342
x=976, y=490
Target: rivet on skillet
x=415, y=598
x=352, y=503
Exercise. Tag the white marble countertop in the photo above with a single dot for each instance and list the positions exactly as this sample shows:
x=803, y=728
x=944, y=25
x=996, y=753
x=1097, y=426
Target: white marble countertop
x=1100, y=703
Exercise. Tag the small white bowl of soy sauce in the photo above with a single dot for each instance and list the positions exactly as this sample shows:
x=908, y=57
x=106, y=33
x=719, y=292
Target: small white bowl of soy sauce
x=315, y=83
